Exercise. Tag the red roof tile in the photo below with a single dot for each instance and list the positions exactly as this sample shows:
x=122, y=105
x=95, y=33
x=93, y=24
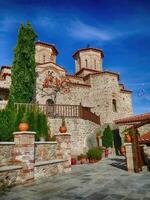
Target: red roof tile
x=86, y=49
x=145, y=138
x=46, y=44
x=136, y=118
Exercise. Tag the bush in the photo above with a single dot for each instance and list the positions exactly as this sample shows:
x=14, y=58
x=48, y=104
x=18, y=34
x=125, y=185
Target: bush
x=94, y=153
x=107, y=139
x=10, y=119
x=7, y=124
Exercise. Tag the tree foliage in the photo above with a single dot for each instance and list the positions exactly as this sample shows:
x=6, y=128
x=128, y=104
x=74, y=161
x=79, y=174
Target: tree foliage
x=23, y=71
x=107, y=139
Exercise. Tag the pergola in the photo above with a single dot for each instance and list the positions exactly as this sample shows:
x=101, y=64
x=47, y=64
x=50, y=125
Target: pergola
x=135, y=122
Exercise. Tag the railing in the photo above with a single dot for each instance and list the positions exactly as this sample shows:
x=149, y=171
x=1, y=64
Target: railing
x=67, y=111
x=3, y=104
x=88, y=115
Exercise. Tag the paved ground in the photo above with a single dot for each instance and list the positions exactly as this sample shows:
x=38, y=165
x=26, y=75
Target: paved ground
x=100, y=181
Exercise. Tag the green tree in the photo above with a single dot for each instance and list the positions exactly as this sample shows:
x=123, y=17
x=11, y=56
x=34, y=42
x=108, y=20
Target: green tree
x=23, y=71
x=107, y=138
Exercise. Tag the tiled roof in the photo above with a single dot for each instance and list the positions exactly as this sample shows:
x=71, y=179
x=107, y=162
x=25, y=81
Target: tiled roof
x=5, y=67
x=86, y=49
x=145, y=138
x=48, y=45
x=136, y=118
x=86, y=69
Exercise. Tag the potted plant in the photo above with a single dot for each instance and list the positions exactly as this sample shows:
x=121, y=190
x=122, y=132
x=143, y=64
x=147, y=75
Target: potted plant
x=128, y=137
x=94, y=154
x=63, y=128
x=123, y=151
x=82, y=158
x=24, y=126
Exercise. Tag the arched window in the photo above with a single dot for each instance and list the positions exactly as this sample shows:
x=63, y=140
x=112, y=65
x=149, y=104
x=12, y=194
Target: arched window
x=95, y=64
x=86, y=63
x=114, y=105
x=49, y=102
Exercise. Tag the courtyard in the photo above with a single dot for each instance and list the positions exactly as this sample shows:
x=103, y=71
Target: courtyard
x=105, y=180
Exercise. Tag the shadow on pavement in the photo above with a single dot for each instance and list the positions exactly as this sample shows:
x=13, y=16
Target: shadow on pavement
x=119, y=163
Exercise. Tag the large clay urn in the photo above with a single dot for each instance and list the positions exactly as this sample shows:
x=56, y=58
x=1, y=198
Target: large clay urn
x=23, y=126
x=63, y=129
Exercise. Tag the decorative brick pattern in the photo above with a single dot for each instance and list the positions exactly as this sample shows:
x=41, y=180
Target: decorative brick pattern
x=24, y=152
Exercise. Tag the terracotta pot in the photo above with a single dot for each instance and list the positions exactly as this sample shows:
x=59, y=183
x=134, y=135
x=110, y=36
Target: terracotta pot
x=83, y=161
x=92, y=161
x=63, y=129
x=128, y=138
x=23, y=127
x=106, y=153
x=123, y=152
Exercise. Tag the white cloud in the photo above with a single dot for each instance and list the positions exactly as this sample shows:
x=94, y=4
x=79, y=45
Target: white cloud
x=45, y=22
x=79, y=30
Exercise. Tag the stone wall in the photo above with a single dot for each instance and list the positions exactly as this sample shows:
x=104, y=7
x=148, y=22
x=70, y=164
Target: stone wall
x=6, y=153
x=80, y=131
x=44, y=54
x=25, y=159
x=105, y=88
x=45, y=151
x=89, y=59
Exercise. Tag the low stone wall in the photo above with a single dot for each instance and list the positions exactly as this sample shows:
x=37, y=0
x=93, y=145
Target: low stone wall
x=45, y=151
x=24, y=159
x=48, y=168
x=10, y=176
x=80, y=131
x=6, y=153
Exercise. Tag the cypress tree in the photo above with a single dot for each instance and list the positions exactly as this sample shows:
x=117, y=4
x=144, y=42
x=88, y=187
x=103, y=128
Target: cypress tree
x=107, y=138
x=23, y=70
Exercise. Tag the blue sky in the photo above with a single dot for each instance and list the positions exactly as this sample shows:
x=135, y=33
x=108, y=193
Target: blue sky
x=120, y=27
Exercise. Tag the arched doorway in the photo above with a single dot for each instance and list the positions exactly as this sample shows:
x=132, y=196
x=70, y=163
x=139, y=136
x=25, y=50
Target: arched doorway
x=50, y=108
x=49, y=102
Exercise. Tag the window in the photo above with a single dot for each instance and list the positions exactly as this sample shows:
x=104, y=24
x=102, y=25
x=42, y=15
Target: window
x=86, y=63
x=1, y=98
x=114, y=104
x=95, y=64
x=44, y=59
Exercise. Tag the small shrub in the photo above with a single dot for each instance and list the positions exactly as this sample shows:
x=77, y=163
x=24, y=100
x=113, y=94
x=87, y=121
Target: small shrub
x=94, y=153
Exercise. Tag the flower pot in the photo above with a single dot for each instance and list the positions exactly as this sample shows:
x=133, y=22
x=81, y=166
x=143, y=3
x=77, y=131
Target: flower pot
x=128, y=138
x=106, y=153
x=83, y=161
x=92, y=160
x=123, y=152
x=23, y=127
x=73, y=161
x=63, y=129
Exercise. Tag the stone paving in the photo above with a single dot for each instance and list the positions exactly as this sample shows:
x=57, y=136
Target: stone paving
x=105, y=180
